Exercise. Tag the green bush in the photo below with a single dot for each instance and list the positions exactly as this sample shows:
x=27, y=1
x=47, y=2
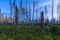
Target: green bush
x=8, y=32
x=47, y=37
x=55, y=30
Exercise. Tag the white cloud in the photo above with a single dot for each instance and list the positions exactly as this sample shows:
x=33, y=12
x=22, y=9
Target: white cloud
x=49, y=9
x=55, y=8
x=39, y=5
x=5, y=11
x=42, y=5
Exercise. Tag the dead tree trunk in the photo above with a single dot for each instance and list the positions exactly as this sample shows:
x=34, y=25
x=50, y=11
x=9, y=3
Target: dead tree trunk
x=10, y=11
x=16, y=17
x=42, y=21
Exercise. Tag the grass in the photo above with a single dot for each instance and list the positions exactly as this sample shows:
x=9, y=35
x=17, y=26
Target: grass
x=8, y=32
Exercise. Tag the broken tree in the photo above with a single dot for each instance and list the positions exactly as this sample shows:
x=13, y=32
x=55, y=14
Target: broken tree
x=42, y=21
x=16, y=17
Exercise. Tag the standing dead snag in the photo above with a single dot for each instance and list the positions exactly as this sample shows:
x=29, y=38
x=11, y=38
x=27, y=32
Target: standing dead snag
x=16, y=17
x=10, y=2
x=42, y=21
x=0, y=10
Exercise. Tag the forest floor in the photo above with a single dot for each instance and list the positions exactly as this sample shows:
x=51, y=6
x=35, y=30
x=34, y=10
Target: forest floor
x=8, y=32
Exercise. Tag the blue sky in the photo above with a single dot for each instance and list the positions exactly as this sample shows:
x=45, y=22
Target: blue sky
x=4, y=5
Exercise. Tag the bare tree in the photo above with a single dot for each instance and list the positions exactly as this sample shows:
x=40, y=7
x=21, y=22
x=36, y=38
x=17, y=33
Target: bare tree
x=16, y=17
x=20, y=6
x=10, y=9
x=33, y=9
x=57, y=11
x=29, y=11
x=52, y=10
x=42, y=21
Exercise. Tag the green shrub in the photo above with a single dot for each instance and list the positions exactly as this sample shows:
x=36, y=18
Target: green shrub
x=55, y=30
x=47, y=37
